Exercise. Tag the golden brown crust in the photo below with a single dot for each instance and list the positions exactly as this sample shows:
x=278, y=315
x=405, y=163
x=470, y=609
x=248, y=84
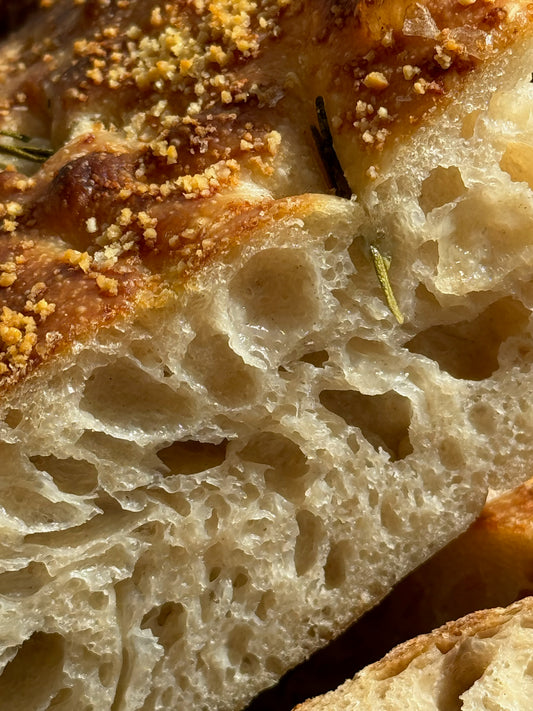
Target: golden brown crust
x=481, y=623
x=158, y=111
x=387, y=67
x=511, y=512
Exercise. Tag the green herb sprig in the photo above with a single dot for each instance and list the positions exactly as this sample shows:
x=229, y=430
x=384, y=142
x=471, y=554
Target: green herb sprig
x=382, y=266
x=35, y=154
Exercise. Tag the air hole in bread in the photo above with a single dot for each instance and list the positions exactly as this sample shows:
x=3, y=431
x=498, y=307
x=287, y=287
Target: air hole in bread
x=483, y=418
x=38, y=512
x=451, y=454
x=63, y=700
x=316, y=358
x=167, y=622
x=167, y=696
x=286, y=465
x=274, y=665
x=98, y=600
x=308, y=542
x=220, y=510
x=249, y=664
x=42, y=653
x=191, y=457
x=24, y=582
x=106, y=674
x=390, y=519
x=469, y=123
x=240, y=579
x=266, y=603
x=123, y=395
x=277, y=290
x=222, y=372
x=442, y=186
x=469, y=350
x=237, y=643
x=13, y=418
x=383, y=419
x=143, y=351
x=517, y=161
x=105, y=446
x=335, y=567
x=73, y=476
x=461, y=668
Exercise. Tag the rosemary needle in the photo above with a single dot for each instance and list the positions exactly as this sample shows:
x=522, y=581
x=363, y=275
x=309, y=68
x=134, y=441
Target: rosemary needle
x=34, y=153
x=382, y=271
x=17, y=136
x=324, y=142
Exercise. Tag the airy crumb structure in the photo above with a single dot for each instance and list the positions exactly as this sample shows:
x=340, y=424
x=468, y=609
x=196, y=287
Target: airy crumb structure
x=225, y=436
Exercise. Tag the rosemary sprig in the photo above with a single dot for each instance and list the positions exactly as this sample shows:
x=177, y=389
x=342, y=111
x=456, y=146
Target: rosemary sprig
x=33, y=153
x=381, y=265
x=324, y=143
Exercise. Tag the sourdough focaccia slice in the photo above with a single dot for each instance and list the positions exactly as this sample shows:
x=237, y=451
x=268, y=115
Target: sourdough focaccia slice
x=223, y=436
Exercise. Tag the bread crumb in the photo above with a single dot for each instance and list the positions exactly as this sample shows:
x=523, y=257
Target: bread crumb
x=9, y=225
x=376, y=81
x=91, y=225
x=7, y=279
x=42, y=308
x=410, y=72
x=82, y=260
x=107, y=285
x=8, y=273
x=17, y=334
x=420, y=86
x=14, y=209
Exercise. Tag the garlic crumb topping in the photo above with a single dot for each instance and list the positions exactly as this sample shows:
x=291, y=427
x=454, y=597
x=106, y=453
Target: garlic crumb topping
x=376, y=81
x=78, y=259
x=17, y=337
x=42, y=308
x=106, y=284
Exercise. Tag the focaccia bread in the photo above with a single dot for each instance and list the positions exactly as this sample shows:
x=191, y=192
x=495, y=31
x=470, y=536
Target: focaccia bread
x=480, y=662
x=237, y=408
